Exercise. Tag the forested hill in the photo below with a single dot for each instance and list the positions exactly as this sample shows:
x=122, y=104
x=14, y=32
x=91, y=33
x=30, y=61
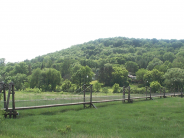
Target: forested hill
x=96, y=59
x=117, y=50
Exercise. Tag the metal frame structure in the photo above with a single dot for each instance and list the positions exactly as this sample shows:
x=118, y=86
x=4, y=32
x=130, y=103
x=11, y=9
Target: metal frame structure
x=10, y=87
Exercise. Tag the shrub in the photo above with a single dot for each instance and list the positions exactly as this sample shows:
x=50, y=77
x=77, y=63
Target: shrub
x=155, y=86
x=72, y=88
x=66, y=85
x=138, y=90
x=115, y=88
x=105, y=90
x=35, y=90
x=58, y=88
x=97, y=86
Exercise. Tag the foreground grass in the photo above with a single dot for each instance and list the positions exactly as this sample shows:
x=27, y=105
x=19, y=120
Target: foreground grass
x=152, y=118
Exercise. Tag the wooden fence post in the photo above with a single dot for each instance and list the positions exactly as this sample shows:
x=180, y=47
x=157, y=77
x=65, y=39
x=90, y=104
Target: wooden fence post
x=174, y=92
x=150, y=93
x=13, y=99
x=10, y=87
x=181, y=93
x=123, y=94
x=146, y=91
x=84, y=94
x=164, y=93
x=171, y=91
x=129, y=94
x=91, y=95
x=4, y=94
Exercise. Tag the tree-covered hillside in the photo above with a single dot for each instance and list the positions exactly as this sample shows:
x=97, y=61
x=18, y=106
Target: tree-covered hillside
x=110, y=60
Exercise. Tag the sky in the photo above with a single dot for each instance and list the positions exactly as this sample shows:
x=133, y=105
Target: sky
x=29, y=28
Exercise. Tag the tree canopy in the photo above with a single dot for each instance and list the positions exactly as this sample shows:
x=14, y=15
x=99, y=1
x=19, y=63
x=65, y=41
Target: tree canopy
x=107, y=60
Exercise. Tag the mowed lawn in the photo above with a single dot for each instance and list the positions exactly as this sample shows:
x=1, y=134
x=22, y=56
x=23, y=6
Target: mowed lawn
x=158, y=118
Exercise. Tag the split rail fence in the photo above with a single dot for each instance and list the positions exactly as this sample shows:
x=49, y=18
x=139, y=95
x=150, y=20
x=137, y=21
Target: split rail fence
x=87, y=98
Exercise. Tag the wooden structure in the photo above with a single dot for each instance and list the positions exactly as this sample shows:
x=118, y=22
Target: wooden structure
x=86, y=87
x=10, y=87
x=85, y=101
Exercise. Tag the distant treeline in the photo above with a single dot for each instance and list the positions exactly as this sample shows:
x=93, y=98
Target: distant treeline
x=154, y=62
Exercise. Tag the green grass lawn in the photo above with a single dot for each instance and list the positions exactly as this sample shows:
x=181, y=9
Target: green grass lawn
x=156, y=118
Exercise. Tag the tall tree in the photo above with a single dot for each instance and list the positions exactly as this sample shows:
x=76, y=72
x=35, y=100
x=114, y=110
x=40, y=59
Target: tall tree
x=174, y=77
x=153, y=63
x=82, y=76
x=120, y=76
x=105, y=74
x=19, y=80
x=50, y=78
x=168, y=56
x=35, y=80
x=21, y=68
x=140, y=74
x=132, y=66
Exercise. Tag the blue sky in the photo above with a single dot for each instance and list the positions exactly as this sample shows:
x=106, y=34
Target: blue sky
x=37, y=27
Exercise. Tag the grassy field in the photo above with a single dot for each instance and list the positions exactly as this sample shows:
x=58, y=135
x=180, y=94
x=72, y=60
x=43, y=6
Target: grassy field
x=153, y=118
x=24, y=99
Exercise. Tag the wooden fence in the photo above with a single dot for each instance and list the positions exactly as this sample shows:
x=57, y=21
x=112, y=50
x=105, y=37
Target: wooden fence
x=85, y=100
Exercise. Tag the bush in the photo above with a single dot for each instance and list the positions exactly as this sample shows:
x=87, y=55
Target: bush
x=105, y=90
x=155, y=86
x=66, y=85
x=58, y=88
x=97, y=86
x=35, y=90
x=72, y=88
x=115, y=88
x=138, y=90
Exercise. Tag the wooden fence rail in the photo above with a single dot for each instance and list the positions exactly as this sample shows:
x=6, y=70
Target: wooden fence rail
x=88, y=101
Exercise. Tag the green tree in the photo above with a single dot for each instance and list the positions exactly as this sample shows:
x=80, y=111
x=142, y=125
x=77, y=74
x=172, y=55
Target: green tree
x=140, y=74
x=164, y=67
x=66, y=85
x=155, y=86
x=174, y=77
x=153, y=75
x=132, y=66
x=66, y=68
x=57, y=66
x=35, y=80
x=168, y=56
x=19, y=80
x=105, y=90
x=157, y=75
x=178, y=62
x=105, y=74
x=21, y=68
x=115, y=88
x=82, y=76
x=47, y=62
x=50, y=78
x=120, y=76
x=120, y=60
x=97, y=86
x=147, y=78
x=153, y=63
